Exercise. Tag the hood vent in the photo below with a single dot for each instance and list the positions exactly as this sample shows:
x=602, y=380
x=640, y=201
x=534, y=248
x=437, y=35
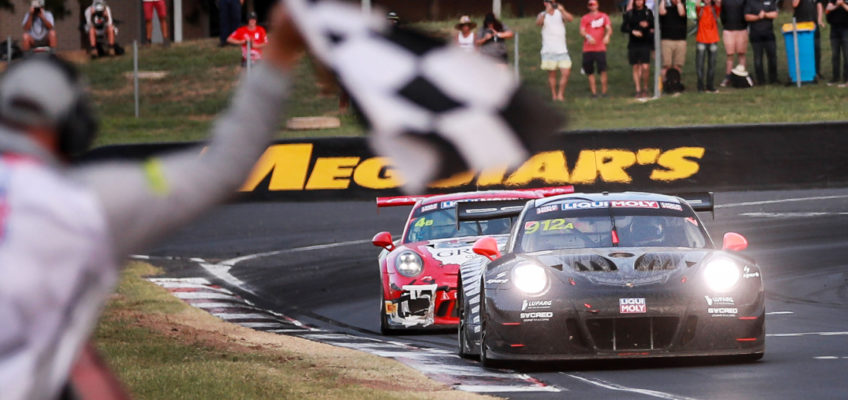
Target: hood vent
x=657, y=262
x=592, y=264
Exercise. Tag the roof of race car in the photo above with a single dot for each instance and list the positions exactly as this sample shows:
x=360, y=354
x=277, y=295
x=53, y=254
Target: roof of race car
x=489, y=194
x=619, y=196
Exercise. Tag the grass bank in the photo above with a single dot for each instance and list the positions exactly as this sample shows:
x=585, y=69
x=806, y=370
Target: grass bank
x=163, y=349
x=201, y=76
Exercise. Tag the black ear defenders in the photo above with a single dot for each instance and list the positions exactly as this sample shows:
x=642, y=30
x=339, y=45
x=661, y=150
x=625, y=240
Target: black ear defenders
x=74, y=122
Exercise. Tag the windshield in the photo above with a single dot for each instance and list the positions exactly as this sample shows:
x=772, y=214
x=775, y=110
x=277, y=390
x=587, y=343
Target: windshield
x=566, y=226
x=440, y=223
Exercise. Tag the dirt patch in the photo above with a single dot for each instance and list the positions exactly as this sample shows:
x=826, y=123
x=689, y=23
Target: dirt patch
x=151, y=75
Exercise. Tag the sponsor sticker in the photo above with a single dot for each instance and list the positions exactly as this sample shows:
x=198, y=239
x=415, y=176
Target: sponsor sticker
x=448, y=204
x=719, y=300
x=537, y=316
x=634, y=204
x=584, y=205
x=635, y=305
x=429, y=207
x=723, y=311
x=671, y=206
x=747, y=273
x=546, y=209
x=496, y=280
x=536, y=304
x=692, y=221
x=391, y=308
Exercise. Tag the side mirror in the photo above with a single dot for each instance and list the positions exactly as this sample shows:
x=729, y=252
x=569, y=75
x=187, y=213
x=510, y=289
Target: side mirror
x=383, y=240
x=487, y=247
x=734, y=242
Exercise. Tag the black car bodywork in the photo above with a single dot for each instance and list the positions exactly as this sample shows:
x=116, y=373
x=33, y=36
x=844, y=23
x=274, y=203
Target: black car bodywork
x=604, y=297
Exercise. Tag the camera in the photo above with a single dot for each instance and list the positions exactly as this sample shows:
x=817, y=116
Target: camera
x=36, y=10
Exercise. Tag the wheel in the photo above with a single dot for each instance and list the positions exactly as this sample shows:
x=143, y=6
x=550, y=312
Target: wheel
x=462, y=336
x=484, y=359
x=385, y=328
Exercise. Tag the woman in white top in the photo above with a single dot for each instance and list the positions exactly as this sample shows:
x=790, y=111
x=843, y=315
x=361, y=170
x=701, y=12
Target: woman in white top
x=554, y=51
x=465, y=36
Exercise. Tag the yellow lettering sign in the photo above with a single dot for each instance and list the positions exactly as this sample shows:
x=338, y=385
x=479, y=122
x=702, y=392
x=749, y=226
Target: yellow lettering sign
x=331, y=173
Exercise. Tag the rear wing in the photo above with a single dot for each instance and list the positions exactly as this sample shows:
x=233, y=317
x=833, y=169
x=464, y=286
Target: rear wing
x=704, y=201
x=394, y=201
x=488, y=209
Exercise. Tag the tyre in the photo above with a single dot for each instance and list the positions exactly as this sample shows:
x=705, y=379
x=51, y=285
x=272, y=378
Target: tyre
x=462, y=334
x=484, y=358
x=385, y=328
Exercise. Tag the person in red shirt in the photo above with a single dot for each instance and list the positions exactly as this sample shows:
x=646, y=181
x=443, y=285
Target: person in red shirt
x=252, y=33
x=595, y=27
x=706, y=43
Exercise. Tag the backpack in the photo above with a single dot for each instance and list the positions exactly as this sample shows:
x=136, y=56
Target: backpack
x=672, y=83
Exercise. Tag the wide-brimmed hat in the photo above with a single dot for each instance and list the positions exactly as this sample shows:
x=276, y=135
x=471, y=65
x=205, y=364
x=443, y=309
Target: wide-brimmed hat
x=465, y=20
x=739, y=70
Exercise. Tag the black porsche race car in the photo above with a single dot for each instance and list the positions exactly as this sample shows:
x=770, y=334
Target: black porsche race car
x=604, y=276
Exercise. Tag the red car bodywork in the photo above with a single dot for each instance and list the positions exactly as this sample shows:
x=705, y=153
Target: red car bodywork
x=428, y=299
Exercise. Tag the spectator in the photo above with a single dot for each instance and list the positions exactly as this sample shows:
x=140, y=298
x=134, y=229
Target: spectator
x=492, y=36
x=638, y=23
x=811, y=11
x=252, y=33
x=735, y=34
x=98, y=23
x=706, y=43
x=837, y=17
x=465, y=36
x=38, y=27
x=162, y=13
x=229, y=17
x=760, y=15
x=595, y=28
x=554, y=50
x=67, y=229
x=672, y=34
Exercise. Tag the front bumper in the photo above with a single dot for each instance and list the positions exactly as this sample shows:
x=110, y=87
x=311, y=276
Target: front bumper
x=422, y=307
x=592, y=327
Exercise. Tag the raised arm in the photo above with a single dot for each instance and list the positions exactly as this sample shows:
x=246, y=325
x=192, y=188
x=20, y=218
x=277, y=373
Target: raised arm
x=145, y=200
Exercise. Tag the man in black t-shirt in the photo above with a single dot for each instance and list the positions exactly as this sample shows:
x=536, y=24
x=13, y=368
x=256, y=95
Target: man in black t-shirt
x=837, y=17
x=811, y=11
x=735, y=34
x=760, y=15
x=672, y=34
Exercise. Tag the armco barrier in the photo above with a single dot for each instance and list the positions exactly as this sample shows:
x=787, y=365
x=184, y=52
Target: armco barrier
x=703, y=158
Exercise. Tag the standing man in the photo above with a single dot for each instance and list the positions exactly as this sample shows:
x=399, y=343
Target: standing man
x=595, y=28
x=639, y=25
x=672, y=34
x=162, y=12
x=252, y=33
x=706, y=44
x=735, y=35
x=837, y=17
x=811, y=11
x=229, y=18
x=66, y=230
x=38, y=27
x=98, y=23
x=554, y=50
x=760, y=15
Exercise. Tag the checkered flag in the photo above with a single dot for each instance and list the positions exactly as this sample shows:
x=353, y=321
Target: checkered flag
x=434, y=109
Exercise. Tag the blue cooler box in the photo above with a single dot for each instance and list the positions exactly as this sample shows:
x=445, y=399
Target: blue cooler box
x=806, y=51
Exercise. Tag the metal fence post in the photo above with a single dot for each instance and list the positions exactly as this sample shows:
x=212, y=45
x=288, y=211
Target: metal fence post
x=797, y=57
x=135, y=75
x=657, y=50
x=517, y=73
x=249, y=60
x=9, y=49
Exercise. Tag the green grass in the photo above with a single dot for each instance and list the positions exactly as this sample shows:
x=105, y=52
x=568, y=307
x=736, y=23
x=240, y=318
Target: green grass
x=201, y=78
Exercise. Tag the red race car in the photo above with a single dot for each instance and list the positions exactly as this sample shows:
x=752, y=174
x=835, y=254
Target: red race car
x=419, y=271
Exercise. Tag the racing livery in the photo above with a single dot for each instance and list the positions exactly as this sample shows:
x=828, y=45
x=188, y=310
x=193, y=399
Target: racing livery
x=418, y=272
x=594, y=276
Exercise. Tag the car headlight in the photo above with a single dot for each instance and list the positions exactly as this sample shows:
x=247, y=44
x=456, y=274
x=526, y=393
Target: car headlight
x=721, y=274
x=530, y=278
x=409, y=264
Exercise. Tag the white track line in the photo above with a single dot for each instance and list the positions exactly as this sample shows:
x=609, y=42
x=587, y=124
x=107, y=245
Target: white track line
x=807, y=334
x=780, y=313
x=613, y=386
x=791, y=214
x=234, y=261
x=505, y=389
x=791, y=200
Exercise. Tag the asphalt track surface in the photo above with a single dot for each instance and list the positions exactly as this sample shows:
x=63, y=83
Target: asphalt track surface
x=314, y=261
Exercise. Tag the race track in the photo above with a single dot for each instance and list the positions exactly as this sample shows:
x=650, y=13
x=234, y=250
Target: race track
x=315, y=262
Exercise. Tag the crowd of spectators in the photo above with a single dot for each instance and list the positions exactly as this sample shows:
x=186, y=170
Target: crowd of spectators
x=734, y=23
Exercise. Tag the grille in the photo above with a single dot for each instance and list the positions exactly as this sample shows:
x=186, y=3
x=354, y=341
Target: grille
x=592, y=264
x=656, y=262
x=646, y=333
